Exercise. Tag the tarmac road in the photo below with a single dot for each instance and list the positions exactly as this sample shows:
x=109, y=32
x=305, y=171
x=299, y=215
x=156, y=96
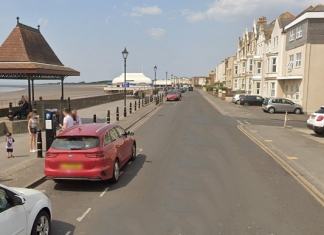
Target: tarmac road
x=195, y=173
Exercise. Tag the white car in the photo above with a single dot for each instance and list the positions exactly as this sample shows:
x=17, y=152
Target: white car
x=315, y=121
x=24, y=212
x=236, y=98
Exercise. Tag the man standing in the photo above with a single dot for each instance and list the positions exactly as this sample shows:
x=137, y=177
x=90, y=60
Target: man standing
x=67, y=121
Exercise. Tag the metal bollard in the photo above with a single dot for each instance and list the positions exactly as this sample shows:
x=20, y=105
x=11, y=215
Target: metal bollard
x=125, y=111
x=142, y=102
x=94, y=118
x=39, y=144
x=117, y=114
x=135, y=105
x=139, y=103
x=130, y=107
x=69, y=104
x=108, y=116
x=34, y=107
x=10, y=112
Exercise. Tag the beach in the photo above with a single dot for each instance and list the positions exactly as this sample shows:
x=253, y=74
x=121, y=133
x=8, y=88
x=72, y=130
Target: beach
x=13, y=93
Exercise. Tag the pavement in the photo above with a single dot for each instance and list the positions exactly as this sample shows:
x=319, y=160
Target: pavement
x=195, y=173
x=26, y=170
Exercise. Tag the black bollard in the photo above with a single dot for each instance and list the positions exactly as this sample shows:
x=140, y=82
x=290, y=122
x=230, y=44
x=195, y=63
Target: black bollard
x=139, y=103
x=135, y=105
x=130, y=107
x=10, y=112
x=69, y=104
x=94, y=118
x=34, y=107
x=39, y=144
x=108, y=116
x=117, y=114
x=142, y=102
x=125, y=111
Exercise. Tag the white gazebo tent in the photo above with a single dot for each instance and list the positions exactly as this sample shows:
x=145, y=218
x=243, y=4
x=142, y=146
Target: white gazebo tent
x=132, y=80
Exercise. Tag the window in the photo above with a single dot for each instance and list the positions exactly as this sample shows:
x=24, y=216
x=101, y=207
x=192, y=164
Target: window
x=251, y=65
x=291, y=90
x=235, y=84
x=258, y=88
x=297, y=92
x=299, y=32
x=236, y=70
x=291, y=62
x=273, y=89
x=259, y=68
x=291, y=36
x=75, y=143
x=120, y=131
x=113, y=134
x=107, y=139
x=243, y=69
x=250, y=84
x=298, y=60
x=274, y=65
x=243, y=82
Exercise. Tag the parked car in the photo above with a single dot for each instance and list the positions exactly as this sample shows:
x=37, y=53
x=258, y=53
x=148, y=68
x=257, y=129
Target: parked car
x=251, y=100
x=182, y=90
x=179, y=92
x=173, y=95
x=24, y=211
x=236, y=98
x=315, y=121
x=90, y=152
x=272, y=105
x=190, y=88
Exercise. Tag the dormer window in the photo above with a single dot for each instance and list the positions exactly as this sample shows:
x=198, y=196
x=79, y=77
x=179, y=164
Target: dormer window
x=291, y=36
x=299, y=32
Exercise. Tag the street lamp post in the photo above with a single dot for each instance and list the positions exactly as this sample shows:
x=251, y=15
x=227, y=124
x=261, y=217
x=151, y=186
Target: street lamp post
x=172, y=79
x=155, y=68
x=166, y=80
x=125, y=54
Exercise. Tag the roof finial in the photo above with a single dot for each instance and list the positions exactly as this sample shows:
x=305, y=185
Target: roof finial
x=38, y=26
x=17, y=19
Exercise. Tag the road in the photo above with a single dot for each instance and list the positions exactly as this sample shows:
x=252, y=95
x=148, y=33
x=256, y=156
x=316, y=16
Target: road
x=195, y=173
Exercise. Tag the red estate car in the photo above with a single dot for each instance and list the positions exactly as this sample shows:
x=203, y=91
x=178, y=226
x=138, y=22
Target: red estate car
x=90, y=152
x=173, y=95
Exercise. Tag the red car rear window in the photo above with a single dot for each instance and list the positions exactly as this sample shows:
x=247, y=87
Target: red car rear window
x=75, y=143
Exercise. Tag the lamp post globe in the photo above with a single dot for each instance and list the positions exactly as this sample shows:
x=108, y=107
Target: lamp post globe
x=125, y=55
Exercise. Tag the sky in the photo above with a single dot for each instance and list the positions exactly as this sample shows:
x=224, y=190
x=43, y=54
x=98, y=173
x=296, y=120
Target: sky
x=182, y=37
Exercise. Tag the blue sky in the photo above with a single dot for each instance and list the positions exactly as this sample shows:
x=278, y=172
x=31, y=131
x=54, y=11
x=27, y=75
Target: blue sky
x=183, y=37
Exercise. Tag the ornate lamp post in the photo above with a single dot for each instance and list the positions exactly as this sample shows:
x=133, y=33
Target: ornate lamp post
x=155, y=68
x=125, y=54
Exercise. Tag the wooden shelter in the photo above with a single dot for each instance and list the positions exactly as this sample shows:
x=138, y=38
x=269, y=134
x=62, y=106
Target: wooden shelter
x=25, y=55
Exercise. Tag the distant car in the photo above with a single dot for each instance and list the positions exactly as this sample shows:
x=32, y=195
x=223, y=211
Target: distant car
x=179, y=92
x=182, y=90
x=315, y=121
x=173, y=95
x=272, y=105
x=236, y=98
x=92, y=152
x=24, y=211
x=190, y=88
x=248, y=100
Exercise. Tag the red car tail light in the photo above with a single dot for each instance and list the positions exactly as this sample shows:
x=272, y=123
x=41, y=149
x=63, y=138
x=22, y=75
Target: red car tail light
x=51, y=155
x=97, y=154
x=320, y=118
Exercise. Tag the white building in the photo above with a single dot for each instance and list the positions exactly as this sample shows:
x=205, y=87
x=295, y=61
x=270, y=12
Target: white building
x=132, y=80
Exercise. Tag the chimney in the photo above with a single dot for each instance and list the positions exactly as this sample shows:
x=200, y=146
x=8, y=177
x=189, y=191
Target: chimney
x=262, y=20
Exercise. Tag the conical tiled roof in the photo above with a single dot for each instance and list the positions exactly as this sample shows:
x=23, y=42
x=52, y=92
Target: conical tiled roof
x=26, y=44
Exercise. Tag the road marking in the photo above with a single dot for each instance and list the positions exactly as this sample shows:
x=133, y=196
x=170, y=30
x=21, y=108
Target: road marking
x=240, y=122
x=68, y=233
x=103, y=193
x=84, y=215
x=247, y=122
x=292, y=158
x=300, y=179
x=269, y=141
x=120, y=173
x=175, y=104
x=254, y=131
x=130, y=162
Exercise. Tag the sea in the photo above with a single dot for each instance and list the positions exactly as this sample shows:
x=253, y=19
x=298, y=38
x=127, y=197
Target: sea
x=5, y=89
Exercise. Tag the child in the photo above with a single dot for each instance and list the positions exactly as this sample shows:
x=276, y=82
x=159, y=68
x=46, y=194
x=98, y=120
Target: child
x=9, y=144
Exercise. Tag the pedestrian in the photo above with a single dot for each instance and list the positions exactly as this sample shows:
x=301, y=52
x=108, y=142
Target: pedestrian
x=67, y=121
x=9, y=145
x=76, y=119
x=23, y=107
x=32, y=128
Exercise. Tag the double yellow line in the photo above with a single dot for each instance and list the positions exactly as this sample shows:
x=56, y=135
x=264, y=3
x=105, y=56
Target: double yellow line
x=300, y=179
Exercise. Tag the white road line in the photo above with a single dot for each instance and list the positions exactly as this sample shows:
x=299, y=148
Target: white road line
x=247, y=122
x=239, y=122
x=84, y=215
x=130, y=162
x=68, y=233
x=103, y=193
x=140, y=150
x=121, y=173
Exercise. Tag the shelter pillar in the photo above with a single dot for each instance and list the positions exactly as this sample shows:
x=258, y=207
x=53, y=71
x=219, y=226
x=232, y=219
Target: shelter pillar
x=62, y=88
x=33, y=93
x=29, y=98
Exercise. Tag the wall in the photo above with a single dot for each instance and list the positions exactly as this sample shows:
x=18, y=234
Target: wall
x=300, y=41
x=315, y=34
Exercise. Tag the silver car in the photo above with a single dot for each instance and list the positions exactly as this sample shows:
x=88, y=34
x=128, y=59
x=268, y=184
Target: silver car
x=236, y=98
x=272, y=105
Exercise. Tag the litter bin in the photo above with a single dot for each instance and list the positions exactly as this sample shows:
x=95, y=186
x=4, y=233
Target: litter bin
x=223, y=95
x=51, y=124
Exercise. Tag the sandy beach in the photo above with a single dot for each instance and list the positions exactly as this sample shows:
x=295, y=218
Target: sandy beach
x=51, y=92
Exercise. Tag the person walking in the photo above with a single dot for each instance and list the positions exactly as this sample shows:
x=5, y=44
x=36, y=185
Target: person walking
x=67, y=121
x=9, y=145
x=76, y=119
x=32, y=128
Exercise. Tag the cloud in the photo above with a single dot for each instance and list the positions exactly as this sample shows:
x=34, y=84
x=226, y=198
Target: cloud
x=224, y=10
x=139, y=11
x=42, y=22
x=156, y=33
